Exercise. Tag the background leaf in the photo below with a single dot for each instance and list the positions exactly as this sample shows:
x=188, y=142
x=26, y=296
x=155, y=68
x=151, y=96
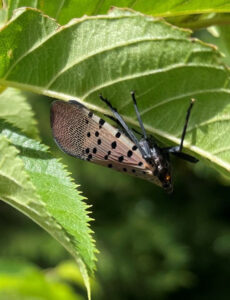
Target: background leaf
x=225, y=37
x=14, y=278
x=64, y=11
x=37, y=185
x=118, y=53
x=15, y=110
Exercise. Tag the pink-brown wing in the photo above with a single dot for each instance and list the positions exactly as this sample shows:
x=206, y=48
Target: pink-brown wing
x=80, y=133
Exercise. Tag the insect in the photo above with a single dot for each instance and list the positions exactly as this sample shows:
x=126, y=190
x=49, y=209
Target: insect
x=81, y=133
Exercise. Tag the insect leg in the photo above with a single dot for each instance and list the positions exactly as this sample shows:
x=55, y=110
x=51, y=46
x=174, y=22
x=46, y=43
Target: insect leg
x=120, y=126
x=185, y=156
x=186, y=124
x=177, y=150
x=136, y=131
x=124, y=125
x=138, y=115
x=114, y=120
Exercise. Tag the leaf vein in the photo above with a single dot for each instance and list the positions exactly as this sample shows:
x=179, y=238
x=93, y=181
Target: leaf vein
x=100, y=51
x=11, y=179
x=190, y=94
x=148, y=73
x=211, y=121
x=222, y=150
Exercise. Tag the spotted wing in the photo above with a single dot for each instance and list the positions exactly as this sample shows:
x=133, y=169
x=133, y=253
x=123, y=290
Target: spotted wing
x=80, y=133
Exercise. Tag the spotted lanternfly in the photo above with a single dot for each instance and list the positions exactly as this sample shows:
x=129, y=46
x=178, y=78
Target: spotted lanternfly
x=80, y=133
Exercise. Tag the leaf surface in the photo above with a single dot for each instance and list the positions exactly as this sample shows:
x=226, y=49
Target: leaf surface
x=34, y=182
x=120, y=52
x=15, y=110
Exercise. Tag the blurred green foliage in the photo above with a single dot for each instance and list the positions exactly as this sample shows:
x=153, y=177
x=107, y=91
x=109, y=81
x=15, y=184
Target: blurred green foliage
x=15, y=276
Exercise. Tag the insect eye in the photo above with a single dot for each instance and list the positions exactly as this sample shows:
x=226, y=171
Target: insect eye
x=167, y=177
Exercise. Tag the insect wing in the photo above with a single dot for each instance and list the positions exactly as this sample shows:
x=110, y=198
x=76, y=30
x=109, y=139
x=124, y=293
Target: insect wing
x=80, y=133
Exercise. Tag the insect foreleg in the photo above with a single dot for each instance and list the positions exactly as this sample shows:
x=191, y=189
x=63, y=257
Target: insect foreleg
x=186, y=124
x=177, y=150
x=138, y=115
x=123, y=124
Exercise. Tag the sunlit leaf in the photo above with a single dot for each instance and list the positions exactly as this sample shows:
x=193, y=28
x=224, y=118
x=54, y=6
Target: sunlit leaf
x=225, y=36
x=64, y=11
x=14, y=278
x=120, y=52
x=15, y=110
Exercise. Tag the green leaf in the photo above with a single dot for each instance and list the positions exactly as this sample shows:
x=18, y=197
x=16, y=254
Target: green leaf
x=14, y=278
x=15, y=110
x=36, y=184
x=224, y=32
x=63, y=11
x=180, y=7
x=120, y=52
x=3, y=16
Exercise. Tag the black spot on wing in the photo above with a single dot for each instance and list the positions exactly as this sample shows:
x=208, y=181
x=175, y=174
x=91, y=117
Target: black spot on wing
x=114, y=145
x=129, y=153
x=118, y=134
x=101, y=122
